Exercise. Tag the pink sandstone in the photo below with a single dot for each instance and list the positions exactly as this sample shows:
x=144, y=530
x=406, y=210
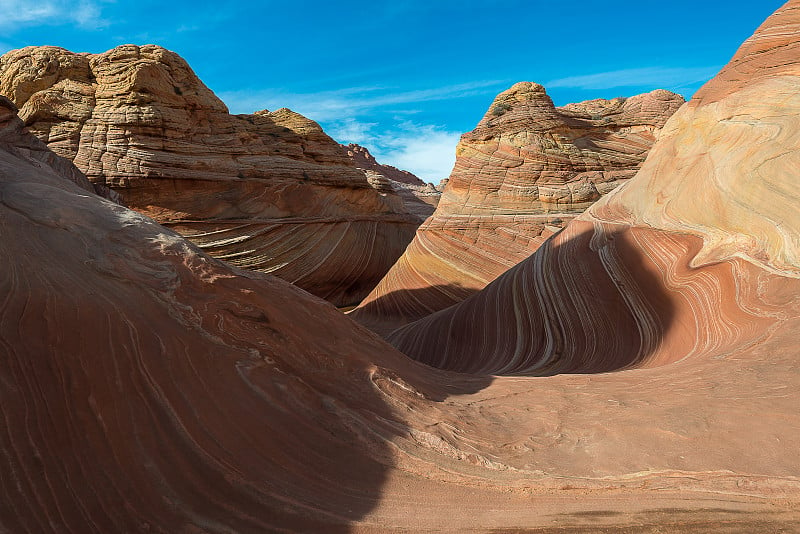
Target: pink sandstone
x=269, y=191
x=526, y=170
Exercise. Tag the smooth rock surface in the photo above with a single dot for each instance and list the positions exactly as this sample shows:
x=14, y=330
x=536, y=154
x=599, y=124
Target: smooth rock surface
x=269, y=191
x=526, y=170
x=149, y=387
x=697, y=256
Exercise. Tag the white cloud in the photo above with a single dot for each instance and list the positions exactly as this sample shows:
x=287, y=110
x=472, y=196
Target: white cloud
x=666, y=77
x=426, y=150
x=352, y=131
x=84, y=13
x=348, y=102
x=356, y=115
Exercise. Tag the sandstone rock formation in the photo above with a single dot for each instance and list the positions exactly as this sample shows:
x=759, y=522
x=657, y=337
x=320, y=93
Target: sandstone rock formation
x=697, y=257
x=20, y=144
x=149, y=387
x=419, y=198
x=269, y=191
x=364, y=160
x=526, y=170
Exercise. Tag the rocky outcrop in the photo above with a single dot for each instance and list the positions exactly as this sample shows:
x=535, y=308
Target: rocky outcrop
x=18, y=143
x=419, y=198
x=149, y=387
x=269, y=191
x=526, y=170
x=364, y=160
x=693, y=258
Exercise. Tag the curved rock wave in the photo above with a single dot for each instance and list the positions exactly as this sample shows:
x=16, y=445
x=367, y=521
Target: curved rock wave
x=149, y=387
x=526, y=170
x=677, y=262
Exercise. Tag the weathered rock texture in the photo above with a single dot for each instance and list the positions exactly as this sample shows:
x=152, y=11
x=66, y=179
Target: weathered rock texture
x=419, y=198
x=520, y=176
x=364, y=160
x=697, y=257
x=149, y=387
x=22, y=145
x=270, y=191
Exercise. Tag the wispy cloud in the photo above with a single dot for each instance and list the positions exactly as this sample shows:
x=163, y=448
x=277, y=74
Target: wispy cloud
x=348, y=102
x=377, y=118
x=426, y=150
x=667, y=77
x=352, y=131
x=84, y=13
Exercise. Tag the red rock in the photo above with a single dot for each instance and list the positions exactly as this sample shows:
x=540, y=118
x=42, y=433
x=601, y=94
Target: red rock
x=526, y=170
x=419, y=198
x=269, y=191
x=149, y=387
x=364, y=160
x=684, y=262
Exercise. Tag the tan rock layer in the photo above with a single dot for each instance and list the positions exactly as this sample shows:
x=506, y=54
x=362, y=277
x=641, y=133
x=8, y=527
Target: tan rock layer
x=420, y=201
x=674, y=264
x=419, y=198
x=139, y=120
x=147, y=387
x=526, y=170
x=364, y=160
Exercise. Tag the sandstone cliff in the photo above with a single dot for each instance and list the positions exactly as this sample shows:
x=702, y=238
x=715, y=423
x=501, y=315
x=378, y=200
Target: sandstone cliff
x=692, y=258
x=364, y=160
x=269, y=191
x=147, y=387
x=419, y=198
x=526, y=170
x=17, y=142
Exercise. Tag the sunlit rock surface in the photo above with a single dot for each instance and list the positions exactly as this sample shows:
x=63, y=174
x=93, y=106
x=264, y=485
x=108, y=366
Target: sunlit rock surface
x=269, y=191
x=526, y=170
x=148, y=387
x=419, y=198
x=696, y=257
x=364, y=160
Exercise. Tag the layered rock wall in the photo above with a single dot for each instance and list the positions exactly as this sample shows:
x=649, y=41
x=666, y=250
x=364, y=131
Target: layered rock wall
x=269, y=191
x=147, y=387
x=526, y=170
x=419, y=198
x=693, y=257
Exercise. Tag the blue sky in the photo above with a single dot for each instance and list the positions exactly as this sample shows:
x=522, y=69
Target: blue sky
x=406, y=78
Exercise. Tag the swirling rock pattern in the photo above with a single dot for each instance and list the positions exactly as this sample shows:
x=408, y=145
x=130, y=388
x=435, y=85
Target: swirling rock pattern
x=147, y=387
x=269, y=191
x=677, y=263
x=526, y=170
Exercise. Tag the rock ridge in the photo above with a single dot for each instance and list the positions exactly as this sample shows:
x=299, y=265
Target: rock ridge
x=521, y=175
x=138, y=119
